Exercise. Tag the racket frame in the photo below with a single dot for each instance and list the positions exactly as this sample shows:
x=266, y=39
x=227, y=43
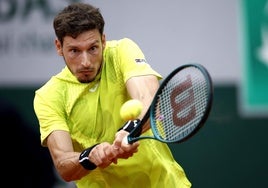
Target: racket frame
x=131, y=138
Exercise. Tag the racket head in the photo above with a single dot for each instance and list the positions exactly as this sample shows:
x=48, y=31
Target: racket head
x=182, y=104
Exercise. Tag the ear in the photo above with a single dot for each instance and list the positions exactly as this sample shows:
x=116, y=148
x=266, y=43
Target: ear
x=58, y=47
x=103, y=40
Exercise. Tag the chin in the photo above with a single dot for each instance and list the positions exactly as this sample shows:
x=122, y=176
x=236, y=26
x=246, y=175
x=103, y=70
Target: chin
x=85, y=80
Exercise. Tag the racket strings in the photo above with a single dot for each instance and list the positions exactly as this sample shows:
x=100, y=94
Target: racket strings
x=181, y=105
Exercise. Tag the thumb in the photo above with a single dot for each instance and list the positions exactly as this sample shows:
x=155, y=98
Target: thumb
x=118, y=139
x=117, y=144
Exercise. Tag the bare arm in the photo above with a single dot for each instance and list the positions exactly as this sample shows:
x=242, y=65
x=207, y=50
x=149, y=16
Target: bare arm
x=142, y=88
x=66, y=161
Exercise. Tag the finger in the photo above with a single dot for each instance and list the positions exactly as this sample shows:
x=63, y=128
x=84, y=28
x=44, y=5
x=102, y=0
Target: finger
x=114, y=160
x=130, y=147
x=121, y=136
x=102, y=155
x=111, y=153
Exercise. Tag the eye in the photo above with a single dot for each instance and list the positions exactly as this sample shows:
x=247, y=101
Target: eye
x=74, y=50
x=94, y=49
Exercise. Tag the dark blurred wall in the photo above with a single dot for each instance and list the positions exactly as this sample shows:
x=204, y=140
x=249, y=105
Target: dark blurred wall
x=24, y=160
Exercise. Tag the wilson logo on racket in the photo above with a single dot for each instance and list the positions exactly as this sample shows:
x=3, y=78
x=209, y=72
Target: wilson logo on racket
x=185, y=105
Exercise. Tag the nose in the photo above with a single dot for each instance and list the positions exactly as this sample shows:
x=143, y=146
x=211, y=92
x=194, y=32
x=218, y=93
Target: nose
x=85, y=60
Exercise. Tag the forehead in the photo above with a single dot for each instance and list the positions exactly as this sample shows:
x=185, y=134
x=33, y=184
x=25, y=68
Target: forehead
x=86, y=38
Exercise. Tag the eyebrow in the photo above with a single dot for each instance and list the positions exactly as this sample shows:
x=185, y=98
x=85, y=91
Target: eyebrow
x=91, y=44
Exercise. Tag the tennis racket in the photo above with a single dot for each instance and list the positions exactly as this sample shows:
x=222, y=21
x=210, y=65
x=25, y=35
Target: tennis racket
x=180, y=106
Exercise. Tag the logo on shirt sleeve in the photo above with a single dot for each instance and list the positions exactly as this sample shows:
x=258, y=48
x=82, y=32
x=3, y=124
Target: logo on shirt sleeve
x=140, y=61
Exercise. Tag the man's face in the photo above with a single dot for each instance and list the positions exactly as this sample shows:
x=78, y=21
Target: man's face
x=83, y=54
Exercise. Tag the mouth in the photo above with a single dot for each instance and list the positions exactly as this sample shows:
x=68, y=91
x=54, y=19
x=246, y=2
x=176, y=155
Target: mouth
x=86, y=71
x=85, y=76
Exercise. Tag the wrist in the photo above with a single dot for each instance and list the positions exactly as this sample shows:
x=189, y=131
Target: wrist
x=84, y=159
x=132, y=125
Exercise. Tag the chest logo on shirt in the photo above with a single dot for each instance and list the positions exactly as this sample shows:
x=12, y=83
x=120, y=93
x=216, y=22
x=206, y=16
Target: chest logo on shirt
x=94, y=88
x=140, y=61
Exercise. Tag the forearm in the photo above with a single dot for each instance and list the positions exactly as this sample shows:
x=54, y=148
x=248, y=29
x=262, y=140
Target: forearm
x=69, y=167
x=143, y=88
x=67, y=162
x=65, y=159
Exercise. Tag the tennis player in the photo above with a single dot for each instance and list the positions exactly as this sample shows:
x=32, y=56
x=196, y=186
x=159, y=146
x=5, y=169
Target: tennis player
x=78, y=109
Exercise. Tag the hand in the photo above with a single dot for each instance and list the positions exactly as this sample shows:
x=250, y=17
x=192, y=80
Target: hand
x=103, y=154
x=124, y=150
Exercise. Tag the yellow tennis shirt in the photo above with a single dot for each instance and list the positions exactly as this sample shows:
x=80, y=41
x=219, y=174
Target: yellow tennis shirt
x=90, y=113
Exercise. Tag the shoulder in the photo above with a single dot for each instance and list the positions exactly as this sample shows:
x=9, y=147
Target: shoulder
x=121, y=43
x=58, y=82
x=53, y=89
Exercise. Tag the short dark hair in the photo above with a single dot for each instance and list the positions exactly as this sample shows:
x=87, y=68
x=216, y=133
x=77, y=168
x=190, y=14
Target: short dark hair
x=77, y=18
